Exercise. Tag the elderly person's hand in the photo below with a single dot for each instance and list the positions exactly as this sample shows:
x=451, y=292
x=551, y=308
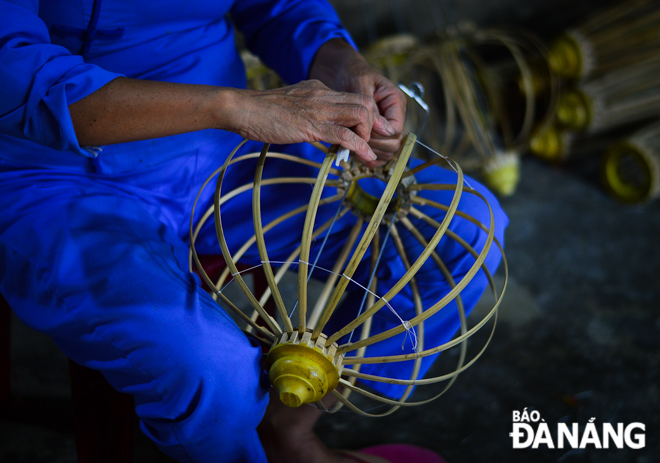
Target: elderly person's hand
x=310, y=111
x=341, y=68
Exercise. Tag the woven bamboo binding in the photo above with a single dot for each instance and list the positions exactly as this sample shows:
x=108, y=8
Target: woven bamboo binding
x=381, y=214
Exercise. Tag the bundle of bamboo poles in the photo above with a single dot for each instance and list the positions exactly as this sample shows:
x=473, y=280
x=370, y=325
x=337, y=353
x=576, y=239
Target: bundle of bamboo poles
x=305, y=361
x=592, y=108
x=612, y=39
x=631, y=168
x=614, y=99
x=612, y=65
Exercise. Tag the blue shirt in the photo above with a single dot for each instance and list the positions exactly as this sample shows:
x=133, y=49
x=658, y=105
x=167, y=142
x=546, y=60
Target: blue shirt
x=184, y=41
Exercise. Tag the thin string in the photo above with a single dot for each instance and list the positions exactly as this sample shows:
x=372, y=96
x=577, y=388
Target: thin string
x=234, y=275
x=405, y=323
x=373, y=274
x=325, y=240
x=450, y=161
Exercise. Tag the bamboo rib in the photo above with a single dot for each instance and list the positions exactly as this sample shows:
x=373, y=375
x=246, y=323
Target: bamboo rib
x=452, y=283
x=261, y=244
x=228, y=258
x=417, y=300
x=193, y=256
x=348, y=384
x=271, y=181
x=366, y=327
x=421, y=382
x=306, y=237
x=320, y=146
x=361, y=351
x=223, y=245
x=452, y=343
x=425, y=165
x=210, y=210
x=448, y=345
x=372, y=229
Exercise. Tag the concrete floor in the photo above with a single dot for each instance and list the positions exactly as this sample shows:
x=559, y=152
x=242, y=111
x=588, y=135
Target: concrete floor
x=578, y=337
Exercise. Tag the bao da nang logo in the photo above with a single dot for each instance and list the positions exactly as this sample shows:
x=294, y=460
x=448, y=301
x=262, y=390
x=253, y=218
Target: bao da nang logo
x=531, y=431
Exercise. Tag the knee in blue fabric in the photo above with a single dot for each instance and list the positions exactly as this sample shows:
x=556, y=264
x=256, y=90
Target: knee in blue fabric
x=214, y=395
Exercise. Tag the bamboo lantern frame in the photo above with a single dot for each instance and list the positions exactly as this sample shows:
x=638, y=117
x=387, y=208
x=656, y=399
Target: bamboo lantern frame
x=400, y=200
x=483, y=137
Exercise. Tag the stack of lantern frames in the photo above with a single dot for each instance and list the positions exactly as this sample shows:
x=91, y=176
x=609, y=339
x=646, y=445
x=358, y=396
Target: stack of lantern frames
x=610, y=67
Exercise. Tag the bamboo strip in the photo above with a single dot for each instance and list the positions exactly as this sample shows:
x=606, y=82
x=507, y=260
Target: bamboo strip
x=417, y=301
x=228, y=258
x=306, y=237
x=372, y=229
x=193, y=256
x=261, y=244
x=366, y=327
x=459, y=300
x=453, y=342
x=237, y=256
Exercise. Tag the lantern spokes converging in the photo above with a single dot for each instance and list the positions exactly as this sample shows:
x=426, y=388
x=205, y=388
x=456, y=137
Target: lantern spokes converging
x=309, y=354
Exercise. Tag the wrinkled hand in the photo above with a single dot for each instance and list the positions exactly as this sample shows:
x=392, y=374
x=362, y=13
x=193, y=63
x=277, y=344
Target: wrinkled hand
x=309, y=111
x=340, y=67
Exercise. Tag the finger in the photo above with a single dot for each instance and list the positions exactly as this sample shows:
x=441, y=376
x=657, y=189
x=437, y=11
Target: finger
x=374, y=164
x=382, y=126
x=383, y=155
x=355, y=116
x=348, y=139
x=392, y=105
x=370, y=111
x=390, y=145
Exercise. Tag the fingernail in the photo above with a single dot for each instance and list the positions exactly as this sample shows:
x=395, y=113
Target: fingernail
x=390, y=130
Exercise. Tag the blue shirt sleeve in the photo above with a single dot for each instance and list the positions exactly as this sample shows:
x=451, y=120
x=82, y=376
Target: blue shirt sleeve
x=39, y=80
x=286, y=34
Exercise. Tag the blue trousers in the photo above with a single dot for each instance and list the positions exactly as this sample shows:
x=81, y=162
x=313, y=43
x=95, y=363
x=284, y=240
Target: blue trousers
x=99, y=261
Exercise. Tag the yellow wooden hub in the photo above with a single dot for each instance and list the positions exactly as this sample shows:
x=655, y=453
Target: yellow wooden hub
x=631, y=173
x=303, y=371
x=574, y=110
x=549, y=145
x=565, y=57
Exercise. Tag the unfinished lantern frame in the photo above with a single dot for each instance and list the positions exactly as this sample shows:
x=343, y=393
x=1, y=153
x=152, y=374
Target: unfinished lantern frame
x=332, y=366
